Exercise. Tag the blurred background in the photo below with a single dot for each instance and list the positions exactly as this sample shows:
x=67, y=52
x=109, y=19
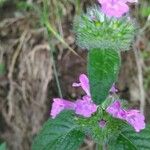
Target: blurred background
x=36, y=66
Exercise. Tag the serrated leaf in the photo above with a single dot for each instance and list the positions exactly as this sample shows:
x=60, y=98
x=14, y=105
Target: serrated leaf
x=61, y=133
x=130, y=140
x=3, y=146
x=103, y=66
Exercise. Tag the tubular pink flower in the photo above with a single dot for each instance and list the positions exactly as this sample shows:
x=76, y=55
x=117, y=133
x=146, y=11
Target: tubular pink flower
x=59, y=105
x=133, y=116
x=102, y=123
x=115, y=8
x=116, y=111
x=113, y=89
x=84, y=83
x=85, y=107
x=136, y=119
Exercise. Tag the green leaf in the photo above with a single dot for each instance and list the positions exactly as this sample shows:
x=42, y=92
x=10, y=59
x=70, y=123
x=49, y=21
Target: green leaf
x=2, y=69
x=3, y=146
x=130, y=140
x=61, y=133
x=103, y=66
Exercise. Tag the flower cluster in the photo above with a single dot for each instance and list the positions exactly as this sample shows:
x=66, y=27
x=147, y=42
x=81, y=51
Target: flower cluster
x=115, y=8
x=85, y=107
x=133, y=116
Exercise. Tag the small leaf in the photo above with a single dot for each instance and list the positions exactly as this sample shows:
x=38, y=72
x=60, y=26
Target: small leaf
x=61, y=133
x=3, y=146
x=130, y=140
x=103, y=66
x=2, y=69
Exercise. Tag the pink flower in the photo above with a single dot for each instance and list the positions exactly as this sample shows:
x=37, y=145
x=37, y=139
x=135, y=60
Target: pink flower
x=59, y=105
x=85, y=107
x=102, y=123
x=133, y=117
x=115, y=8
x=84, y=83
x=116, y=111
x=113, y=89
x=136, y=119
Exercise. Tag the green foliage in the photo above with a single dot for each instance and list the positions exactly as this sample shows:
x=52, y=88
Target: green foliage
x=61, y=133
x=103, y=66
x=2, y=69
x=95, y=30
x=2, y=2
x=3, y=146
x=128, y=139
x=105, y=38
x=90, y=126
x=23, y=5
x=145, y=11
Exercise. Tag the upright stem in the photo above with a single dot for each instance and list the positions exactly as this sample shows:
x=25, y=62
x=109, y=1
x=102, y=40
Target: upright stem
x=99, y=147
x=49, y=30
x=55, y=70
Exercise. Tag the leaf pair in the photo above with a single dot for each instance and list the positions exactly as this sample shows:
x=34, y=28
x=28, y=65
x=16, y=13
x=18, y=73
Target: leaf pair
x=64, y=133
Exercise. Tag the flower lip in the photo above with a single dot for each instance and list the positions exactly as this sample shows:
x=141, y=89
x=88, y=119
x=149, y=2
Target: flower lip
x=59, y=105
x=113, y=89
x=84, y=83
x=85, y=107
x=115, y=8
x=133, y=116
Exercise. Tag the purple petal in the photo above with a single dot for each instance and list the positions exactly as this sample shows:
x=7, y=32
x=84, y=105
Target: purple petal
x=59, y=105
x=133, y=116
x=113, y=108
x=85, y=108
x=136, y=119
x=87, y=98
x=84, y=83
x=102, y=123
x=116, y=111
x=76, y=84
x=113, y=89
x=114, y=8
